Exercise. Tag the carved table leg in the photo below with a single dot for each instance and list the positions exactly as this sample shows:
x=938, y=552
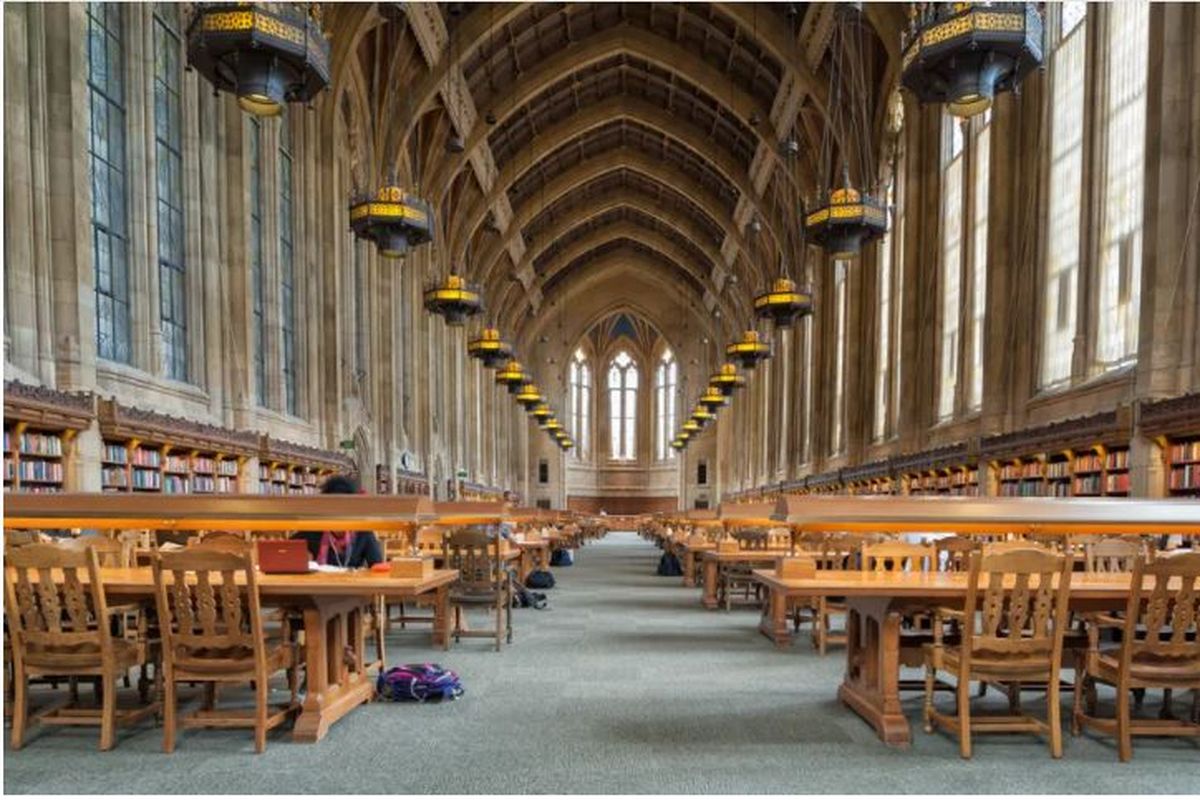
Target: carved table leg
x=774, y=620
x=710, y=584
x=872, y=683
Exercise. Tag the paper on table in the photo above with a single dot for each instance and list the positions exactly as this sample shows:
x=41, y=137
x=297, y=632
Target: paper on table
x=315, y=567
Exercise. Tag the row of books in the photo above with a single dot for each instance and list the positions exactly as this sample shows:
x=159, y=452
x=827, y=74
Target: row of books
x=1185, y=476
x=41, y=471
x=1185, y=452
x=32, y=443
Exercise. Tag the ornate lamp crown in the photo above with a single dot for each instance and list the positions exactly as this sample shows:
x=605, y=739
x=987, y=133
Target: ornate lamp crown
x=541, y=412
x=490, y=348
x=727, y=379
x=511, y=375
x=454, y=300
x=961, y=54
x=783, y=302
x=749, y=350
x=529, y=396
x=712, y=399
x=267, y=54
x=846, y=221
x=393, y=219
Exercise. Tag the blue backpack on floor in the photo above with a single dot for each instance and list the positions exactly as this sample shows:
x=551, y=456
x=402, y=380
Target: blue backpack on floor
x=539, y=579
x=418, y=683
x=561, y=558
x=669, y=565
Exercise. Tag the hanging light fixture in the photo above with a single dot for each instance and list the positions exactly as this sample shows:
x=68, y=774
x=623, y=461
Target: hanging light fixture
x=529, y=396
x=702, y=415
x=845, y=216
x=511, y=375
x=684, y=436
x=393, y=219
x=267, y=54
x=551, y=425
x=567, y=443
x=727, y=380
x=679, y=444
x=783, y=303
x=454, y=299
x=541, y=412
x=691, y=427
x=490, y=348
x=749, y=350
x=712, y=399
x=961, y=54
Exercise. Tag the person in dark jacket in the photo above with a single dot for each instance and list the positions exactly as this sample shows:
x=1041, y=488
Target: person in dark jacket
x=352, y=549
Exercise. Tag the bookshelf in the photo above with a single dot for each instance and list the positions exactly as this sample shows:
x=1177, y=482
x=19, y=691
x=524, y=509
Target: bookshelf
x=40, y=435
x=411, y=482
x=1183, y=467
x=290, y=468
x=148, y=452
x=1022, y=477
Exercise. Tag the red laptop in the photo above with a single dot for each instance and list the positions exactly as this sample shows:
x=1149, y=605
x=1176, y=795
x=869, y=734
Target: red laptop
x=283, y=556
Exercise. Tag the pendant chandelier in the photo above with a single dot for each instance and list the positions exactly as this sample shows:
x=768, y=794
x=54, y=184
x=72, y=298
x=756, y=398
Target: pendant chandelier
x=393, y=219
x=541, y=412
x=551, y=425
x=712, y=399
x=691, y=427
x=783, y=302
x=684, y=436
x=454, y=300
x=490, y=348
x=566, y=443
x=529, y=396
x=267, y=54
x=512, y=375
x=727, y=380
x=844, y=214
x=679, y=444
x=961, y=54
x=702, y=415
x=749, y=350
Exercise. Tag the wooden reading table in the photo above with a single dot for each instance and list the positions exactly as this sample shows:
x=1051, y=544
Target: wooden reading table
x=878, y=601
x=333, y=604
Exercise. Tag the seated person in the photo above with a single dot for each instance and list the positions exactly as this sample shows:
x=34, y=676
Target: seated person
x=352, y=549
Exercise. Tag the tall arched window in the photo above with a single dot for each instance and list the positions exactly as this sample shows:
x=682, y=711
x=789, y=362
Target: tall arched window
x=622, y=406
x=106, y=89
x=664, y=405
x=581, y=403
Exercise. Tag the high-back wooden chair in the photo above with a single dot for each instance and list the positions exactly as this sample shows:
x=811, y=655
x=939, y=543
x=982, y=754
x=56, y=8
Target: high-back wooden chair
x=1160, y=648
x=954, y=553
x=738, y=577
x=60, y=623
x=1112, y=554
x=212, y=631
x=1021, y=595
x=483, y=581
x=898, y=557
x=837, y=551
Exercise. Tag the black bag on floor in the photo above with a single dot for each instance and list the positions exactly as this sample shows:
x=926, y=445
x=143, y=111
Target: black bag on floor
x=540, y=579
x=561, y=558
x=523, y=598
x=669, y=565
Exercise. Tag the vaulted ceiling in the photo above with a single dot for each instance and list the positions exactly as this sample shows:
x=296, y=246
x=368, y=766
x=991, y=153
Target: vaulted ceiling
x=588, y=129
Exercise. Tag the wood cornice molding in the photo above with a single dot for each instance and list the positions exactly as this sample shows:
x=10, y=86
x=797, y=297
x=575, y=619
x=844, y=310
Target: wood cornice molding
x=48, y=408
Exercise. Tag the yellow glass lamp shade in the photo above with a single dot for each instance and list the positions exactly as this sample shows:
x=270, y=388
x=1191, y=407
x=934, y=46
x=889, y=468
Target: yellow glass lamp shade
x=541, y=412
x=726, y=380
x=393, y=219
x=712, y=399
x=490, y=348
x=783, y=303
x=529, y=396
x=511, y=375
x=453, y=300
x=691, y=426
x=749, y=350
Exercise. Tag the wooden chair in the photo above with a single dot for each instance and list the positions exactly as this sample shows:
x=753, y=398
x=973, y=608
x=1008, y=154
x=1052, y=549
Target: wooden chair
x=212, y=627
x=835, y=552
x=1112, y=554
x=739, y=577
x=429, y=542
x=61, y=625
x=483, y=582
x=954, y=553
x=898, y=557
x=1159, y=648
x=1017, y=636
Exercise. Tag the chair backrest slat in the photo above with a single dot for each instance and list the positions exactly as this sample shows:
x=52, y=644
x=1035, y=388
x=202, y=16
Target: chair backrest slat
x=208, y=600
x=1024, y=600
x=50, y=605
x=897, y=557
x=1163, y=622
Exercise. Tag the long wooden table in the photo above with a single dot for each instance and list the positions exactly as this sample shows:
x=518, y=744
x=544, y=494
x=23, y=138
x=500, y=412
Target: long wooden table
x=877, y=602
x=333, y=605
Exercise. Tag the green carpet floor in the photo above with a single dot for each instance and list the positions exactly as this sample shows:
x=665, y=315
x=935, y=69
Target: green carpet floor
x=624, y=685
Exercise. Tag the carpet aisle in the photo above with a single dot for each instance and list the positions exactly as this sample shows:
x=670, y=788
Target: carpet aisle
x=624, y=685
